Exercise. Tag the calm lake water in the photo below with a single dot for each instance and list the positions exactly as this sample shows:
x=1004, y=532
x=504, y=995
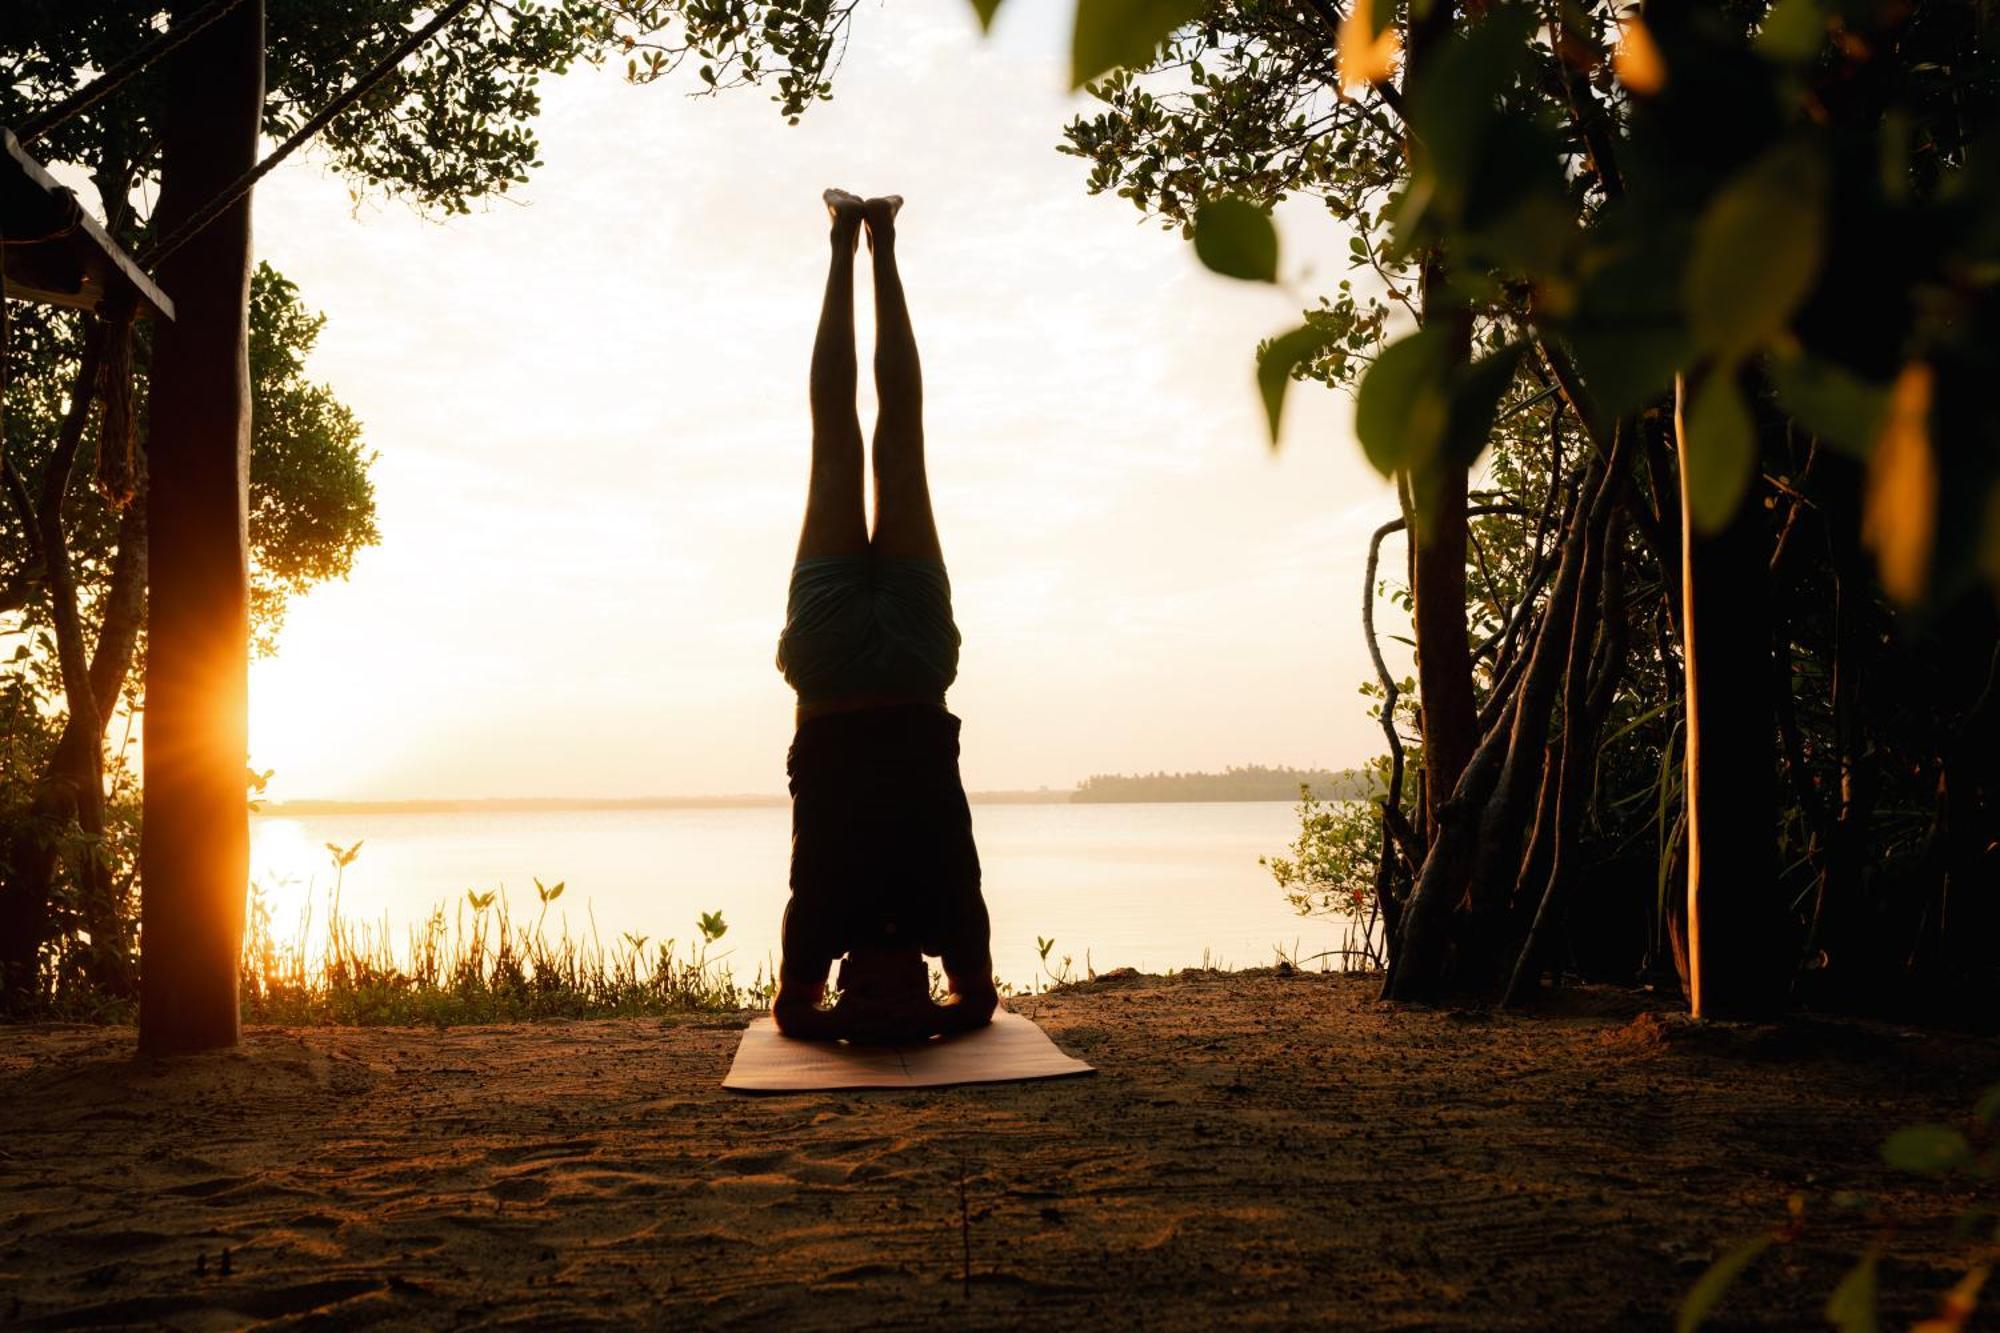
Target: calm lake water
x=1148, y=886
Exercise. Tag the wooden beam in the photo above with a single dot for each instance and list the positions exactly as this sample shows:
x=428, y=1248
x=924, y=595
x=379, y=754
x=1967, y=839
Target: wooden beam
x=194, y=847
x=56, y=252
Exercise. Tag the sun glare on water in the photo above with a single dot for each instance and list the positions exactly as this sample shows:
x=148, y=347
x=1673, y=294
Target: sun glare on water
x=292, y=877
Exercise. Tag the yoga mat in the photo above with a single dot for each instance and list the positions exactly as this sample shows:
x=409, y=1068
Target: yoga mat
x=1010, y=1050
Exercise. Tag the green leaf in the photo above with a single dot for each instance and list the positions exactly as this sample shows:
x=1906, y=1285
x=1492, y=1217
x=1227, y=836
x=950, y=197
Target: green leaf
x=986, y=9
x=1474, y=400
x=1276, y=360
x=1721, y=451
x=1839, y=407
x=1455, y=108
x=1235, y=238
x=1988, y=1108
x=1713, y=1285
x=1793, y=31
x=1851, y=1307
x=1481, y=169
x=1927, y=1148
x=1114, y=34
x=1757, y=252
x=1628, y=334
x=1402, y=407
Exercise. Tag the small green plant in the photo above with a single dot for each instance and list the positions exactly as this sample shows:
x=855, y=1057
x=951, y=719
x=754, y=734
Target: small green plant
x=1062, y=973
x=1332, y=866
x=1946, y=1152
x=1331, y=869
x=477, y=966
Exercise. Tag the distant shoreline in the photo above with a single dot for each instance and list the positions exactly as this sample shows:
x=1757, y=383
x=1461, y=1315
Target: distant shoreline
x=748, y=801
x=1232, y=786
x=558, y=804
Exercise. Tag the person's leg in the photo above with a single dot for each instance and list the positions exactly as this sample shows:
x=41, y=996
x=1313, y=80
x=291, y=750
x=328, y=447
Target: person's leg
x=904, y=525
x=966, y=953
x=810, y=937
x=836, y=509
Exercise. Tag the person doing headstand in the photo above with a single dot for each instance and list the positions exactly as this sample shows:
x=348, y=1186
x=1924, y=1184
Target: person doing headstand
x=884, y=869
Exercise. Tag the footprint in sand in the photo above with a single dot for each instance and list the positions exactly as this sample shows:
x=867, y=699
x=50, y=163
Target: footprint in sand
x=203, y=1189
x=531, y=1152
x=519, y=1189
x=751, y=1161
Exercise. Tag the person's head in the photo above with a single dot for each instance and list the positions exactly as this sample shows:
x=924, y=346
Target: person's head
x=884, y=974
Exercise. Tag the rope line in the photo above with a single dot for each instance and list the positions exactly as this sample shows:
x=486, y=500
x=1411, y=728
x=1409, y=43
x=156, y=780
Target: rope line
x=155, y=253
x=111, y=80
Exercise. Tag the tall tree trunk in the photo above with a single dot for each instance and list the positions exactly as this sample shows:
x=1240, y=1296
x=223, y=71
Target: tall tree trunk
x=1444, y=650
x=1739, y=963
x=69, y=792
x=1423, y=962
x=1438, y=517
x=1670, y=920
x=194, y=850
x=1561, y=650
x=1587, y=696
x=71, y=784
x=112, y=956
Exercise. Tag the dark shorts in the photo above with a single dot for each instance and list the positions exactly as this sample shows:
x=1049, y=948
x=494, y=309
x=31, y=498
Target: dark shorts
x=868, y=625
x=882, y=850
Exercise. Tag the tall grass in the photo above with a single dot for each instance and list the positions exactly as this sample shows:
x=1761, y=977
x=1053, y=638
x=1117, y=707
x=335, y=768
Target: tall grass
x=477, y=964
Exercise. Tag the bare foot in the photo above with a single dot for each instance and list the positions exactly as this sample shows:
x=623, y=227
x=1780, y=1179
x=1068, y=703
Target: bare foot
x=880, y=213
x=847, y=212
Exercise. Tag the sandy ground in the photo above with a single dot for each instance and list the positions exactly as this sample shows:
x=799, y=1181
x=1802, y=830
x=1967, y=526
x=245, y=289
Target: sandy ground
x=1262, y=1149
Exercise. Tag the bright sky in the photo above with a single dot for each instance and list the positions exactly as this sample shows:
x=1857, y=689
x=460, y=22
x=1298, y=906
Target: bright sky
x=590, y=405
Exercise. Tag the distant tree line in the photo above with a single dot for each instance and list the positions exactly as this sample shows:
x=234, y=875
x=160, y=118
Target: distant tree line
x=1252, y=782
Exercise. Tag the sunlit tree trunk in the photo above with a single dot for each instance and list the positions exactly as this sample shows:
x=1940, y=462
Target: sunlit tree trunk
x=1738, y=962
x=194, y=852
